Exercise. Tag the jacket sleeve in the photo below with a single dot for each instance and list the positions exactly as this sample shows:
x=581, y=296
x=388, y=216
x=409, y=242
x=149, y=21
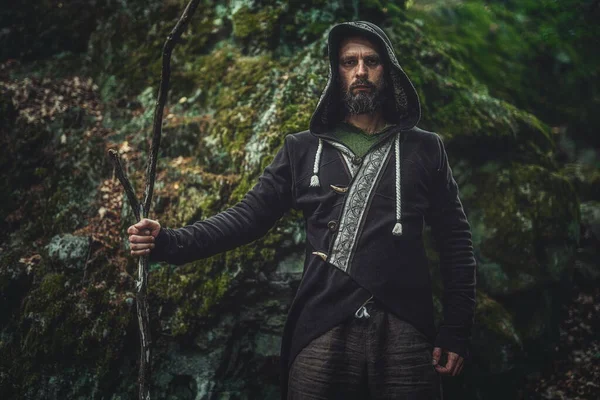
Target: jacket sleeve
x=452, y=234
x=243, y=223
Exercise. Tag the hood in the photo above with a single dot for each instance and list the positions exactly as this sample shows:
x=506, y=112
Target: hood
x=404, y=111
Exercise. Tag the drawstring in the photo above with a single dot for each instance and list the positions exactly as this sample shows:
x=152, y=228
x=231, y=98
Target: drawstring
x=362, y=310
x=397, y=231
x=314, y=181
x=362, y=313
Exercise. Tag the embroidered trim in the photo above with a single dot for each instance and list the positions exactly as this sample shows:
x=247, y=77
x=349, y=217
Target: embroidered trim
x=359, y=193
x=353, y=168
x=343, y=149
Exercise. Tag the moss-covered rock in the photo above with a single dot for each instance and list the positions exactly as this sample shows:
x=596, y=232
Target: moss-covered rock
x=68, y=250
x=475, y=124
x=525, y=224
x=51, y=162
x=256, y=28
x=245, y=74
x=520, y=51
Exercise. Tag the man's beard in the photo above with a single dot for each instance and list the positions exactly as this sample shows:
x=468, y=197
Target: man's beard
x=364, y=101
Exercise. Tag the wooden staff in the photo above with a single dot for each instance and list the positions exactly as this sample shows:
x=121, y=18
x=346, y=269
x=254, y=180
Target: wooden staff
x=142, y=210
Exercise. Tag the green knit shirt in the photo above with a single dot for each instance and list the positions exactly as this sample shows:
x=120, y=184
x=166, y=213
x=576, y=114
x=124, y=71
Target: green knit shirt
x=355, y=138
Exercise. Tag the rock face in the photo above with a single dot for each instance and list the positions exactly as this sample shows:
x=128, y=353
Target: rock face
x=245, y=74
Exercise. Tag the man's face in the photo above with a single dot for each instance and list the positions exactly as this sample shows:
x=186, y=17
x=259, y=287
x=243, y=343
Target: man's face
x=361, y=75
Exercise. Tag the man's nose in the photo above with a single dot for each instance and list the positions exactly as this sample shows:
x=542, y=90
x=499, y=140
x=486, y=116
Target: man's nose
x=361, y=70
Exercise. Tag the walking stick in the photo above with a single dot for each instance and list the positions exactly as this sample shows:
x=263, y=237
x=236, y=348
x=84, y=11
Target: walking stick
x=141, y=210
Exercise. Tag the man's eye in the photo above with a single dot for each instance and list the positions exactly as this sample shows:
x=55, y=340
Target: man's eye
x=349, y=62
x=373, y=62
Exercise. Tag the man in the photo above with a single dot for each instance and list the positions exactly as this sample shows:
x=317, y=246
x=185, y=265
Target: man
x=366, y=178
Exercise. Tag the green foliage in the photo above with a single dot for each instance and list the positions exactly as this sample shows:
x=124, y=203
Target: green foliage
x=538, y=55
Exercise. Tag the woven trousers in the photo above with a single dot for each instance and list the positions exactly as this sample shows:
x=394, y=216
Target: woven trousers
x=377, y=358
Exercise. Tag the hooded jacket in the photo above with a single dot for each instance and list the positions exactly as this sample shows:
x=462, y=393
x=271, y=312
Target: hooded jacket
x=364, y=219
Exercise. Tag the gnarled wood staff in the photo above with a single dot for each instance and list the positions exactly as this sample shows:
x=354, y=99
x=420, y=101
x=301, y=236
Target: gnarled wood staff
x=142, y=210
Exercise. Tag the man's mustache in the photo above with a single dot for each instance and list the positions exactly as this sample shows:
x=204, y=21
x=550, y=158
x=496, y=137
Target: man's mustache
x=368, y=84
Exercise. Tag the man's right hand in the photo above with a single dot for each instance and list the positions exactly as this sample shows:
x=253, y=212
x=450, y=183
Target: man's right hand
x=142, y=235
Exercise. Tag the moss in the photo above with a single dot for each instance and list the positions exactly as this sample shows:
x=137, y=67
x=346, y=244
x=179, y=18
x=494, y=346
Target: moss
x=302, y=23
x=181, y=136
x=499, y=42
x=52, y=289
x=240, y=190
x=62, y=326
x=191, y=193
x=234, y=127
x=256, y=28
x=193, y=203
x=296, y=117
x=199, y=34
x=476, y=28
x=538, y=209
x=198, y=303
x=481, y=29
x=207, y=72
x=485, y=121
x=192, y=291
x=245, y=82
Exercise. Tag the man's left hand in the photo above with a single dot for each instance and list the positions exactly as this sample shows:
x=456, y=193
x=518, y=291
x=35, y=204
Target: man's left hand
x=453, y=366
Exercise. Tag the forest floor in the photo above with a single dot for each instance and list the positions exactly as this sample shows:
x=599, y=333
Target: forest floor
x=575, y=372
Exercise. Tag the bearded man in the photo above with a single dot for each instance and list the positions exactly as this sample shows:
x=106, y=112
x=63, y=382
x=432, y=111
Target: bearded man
x=366, y=179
